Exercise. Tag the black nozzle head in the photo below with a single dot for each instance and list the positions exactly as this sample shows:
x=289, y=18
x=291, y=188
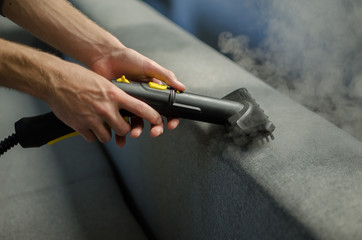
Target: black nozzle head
x=250, y=124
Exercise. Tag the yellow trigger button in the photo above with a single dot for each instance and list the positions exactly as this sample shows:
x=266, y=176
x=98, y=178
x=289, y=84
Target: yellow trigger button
x=157, y=86
x=123, y=79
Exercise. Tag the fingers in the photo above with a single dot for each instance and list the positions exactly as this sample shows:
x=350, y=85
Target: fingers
x=155, y=70
x=139, y=108
x=137, y=67
x=118, y=124
x=120, y=140
x=172, y=123
x=88, y=135
x=156, y=130
x=103, y=133
x=136, y=130
x=141, y=67
x=136, y=127
x=110, y=118
x=155, y=80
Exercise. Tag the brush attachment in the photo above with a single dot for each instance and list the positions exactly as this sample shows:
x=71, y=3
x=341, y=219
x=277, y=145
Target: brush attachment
x=251, y=124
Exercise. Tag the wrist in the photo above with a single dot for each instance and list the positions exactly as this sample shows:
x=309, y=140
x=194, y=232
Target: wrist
x=103, y=49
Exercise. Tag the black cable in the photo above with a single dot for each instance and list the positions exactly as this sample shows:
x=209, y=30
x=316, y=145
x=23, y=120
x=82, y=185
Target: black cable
x=8, y=143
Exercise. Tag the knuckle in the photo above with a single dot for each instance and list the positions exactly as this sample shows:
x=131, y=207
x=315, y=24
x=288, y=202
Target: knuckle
x=144, y=111
x=112, y=94
x=90, y=138
x=105, y=138
x=139, y=108
x=155, y=119
x=102, y=110
x=124, y=130
x=171, y=75
x=89, y=122
x=121, y=128
x=79, y=127
x=102, y=132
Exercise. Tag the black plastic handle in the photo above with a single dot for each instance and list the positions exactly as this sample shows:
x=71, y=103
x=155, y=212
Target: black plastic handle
x=171, y=103
x=39, y=130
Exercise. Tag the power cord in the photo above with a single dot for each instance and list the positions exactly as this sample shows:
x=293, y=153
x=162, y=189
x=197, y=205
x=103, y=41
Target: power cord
x=8, y=143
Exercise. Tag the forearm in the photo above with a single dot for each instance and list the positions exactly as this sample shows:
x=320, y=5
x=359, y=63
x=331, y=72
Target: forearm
x=62, y=26
x=85, y=100
x=23, y=68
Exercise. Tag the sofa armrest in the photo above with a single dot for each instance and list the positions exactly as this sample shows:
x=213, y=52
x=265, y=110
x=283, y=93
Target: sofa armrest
x=192, y=183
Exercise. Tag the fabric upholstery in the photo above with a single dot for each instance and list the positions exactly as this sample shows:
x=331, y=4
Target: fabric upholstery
x=193, y=183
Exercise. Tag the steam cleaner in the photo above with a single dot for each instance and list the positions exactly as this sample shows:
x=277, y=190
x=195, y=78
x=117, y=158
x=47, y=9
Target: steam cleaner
x=238, y=111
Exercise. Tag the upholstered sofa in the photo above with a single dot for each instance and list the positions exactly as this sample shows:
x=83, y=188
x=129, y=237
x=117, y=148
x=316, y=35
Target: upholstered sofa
x=190, y=183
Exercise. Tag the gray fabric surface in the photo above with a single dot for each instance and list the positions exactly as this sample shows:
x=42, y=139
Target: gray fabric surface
x=63, y=191
x=193, y=184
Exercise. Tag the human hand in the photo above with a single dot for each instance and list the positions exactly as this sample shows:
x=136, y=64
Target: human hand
x=90, y=104
x=84, y=100
x=137, y=67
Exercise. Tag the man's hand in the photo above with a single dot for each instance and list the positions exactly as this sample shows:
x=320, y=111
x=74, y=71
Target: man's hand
x=85, y=100
x=90, y=103
x=125, y=61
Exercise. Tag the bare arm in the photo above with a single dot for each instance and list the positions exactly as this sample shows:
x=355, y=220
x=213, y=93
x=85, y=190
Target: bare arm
x=58, y=23
x=22, y=68
x=84, y=100
x=81, y=98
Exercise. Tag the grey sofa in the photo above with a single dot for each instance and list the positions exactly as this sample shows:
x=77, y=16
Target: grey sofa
x=190, y=183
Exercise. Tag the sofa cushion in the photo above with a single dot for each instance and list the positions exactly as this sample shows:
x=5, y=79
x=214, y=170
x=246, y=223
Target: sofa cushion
x=193, y=184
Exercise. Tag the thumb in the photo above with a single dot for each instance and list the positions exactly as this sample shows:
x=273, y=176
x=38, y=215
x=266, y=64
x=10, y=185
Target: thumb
x=154, y=70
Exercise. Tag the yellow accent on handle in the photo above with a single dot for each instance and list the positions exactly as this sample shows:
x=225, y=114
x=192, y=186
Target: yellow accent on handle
x=126, y=119
x=157, y=86
x=63, y=137
x=123, y=79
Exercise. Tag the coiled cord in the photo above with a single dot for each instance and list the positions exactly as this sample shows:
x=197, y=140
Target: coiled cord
x=8, y=143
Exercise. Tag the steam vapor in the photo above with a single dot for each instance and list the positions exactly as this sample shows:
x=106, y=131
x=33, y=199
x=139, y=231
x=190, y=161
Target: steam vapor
x=313, y=53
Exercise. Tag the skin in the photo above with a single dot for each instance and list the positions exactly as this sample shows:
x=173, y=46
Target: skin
x=83, y=98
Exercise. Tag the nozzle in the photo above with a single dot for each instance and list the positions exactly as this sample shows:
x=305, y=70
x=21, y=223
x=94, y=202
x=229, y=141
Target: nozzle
x=251, y=124
x=238, y=110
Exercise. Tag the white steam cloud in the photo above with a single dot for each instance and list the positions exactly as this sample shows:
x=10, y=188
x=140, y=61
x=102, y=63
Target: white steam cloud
x=313, y=53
